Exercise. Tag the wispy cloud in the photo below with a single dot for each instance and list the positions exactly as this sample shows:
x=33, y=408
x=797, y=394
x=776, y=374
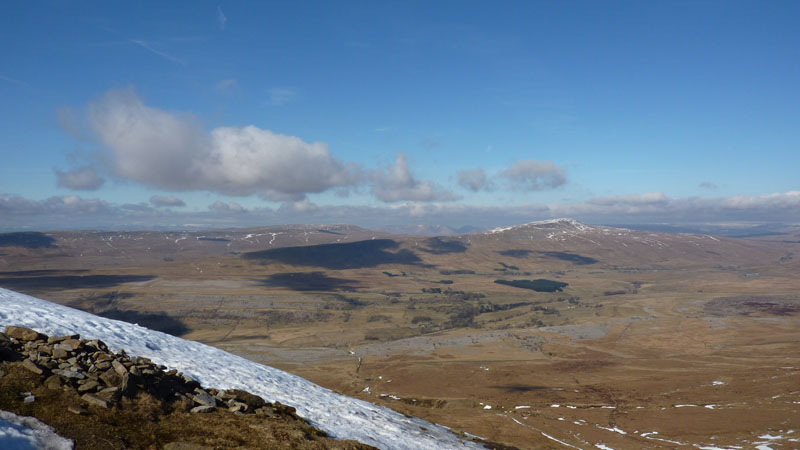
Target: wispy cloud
x=708, y=185
x=280, y=96
x=147, y=46
x=226, y=85
x=13, y=81
x=221, y=19
x=80, y=179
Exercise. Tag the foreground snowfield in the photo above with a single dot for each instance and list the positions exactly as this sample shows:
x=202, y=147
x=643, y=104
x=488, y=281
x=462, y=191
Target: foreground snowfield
x=27, y=433
x=340, y=416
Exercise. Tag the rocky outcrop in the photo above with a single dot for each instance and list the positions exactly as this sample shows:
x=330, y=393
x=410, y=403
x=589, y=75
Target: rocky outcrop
x=102, y=378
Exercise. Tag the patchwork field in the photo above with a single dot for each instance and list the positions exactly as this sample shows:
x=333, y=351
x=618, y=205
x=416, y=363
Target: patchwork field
x=547, y=335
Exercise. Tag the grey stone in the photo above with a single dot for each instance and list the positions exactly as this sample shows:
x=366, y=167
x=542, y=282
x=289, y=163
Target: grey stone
x=74, y=344
x=30, y=365
x=103, y=365
x=89, y=385
x=111, y=378
x=77, y=410
x=119, y=368
x=204, y=398
x=69, y=374
x=202, y=409
x=66, y=347
x=95, y=400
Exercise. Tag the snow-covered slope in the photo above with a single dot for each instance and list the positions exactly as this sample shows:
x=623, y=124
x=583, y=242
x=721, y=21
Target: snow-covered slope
x=340, y=416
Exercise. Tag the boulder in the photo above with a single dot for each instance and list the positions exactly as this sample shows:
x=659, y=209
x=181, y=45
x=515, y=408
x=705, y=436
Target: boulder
x=53, y=382
x=30, y=365
x=60, y=353
x=111, y=378
x=119, y=368
x=23, y=334
x=252, y=401
x=202, y=409
x=77, y=410
x=204, y=398
x=95, y=400
x=88, y=386
x=72, y=374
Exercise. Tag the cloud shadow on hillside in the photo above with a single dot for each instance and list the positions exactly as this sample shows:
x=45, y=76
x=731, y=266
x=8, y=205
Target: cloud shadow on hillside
x=351, y=255
x=309, y=281
x=438, y=246
x=27, y=239
x=71, y=281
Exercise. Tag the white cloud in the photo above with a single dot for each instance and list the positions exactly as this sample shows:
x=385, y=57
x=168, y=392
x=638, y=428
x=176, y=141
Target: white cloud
x=13, y=205
x=280, y=96
x=474, y=180
x=220, y=206
x=301, y=206
x=80, y=179
x=533, y=175
x=166, y=201
x=19, y=213
x=170, y=151
x=397, y=184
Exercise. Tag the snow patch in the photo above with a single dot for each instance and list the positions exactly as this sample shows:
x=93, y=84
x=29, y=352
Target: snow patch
x=27, y=433
x=614, y=429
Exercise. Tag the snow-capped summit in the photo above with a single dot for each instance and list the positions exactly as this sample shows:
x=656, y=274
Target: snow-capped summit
x=561, y=223
x=340, y=416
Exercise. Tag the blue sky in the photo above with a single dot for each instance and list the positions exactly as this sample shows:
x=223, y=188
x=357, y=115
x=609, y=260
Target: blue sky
x=375, y=113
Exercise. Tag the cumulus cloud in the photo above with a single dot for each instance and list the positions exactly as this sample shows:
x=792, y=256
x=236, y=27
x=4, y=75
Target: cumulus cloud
x=474, y=180
x=80, y=179
x=226, y=207
x=301, y=206
x=533, y=175
x=166, y=201
x=171, y=151
x=397, y=184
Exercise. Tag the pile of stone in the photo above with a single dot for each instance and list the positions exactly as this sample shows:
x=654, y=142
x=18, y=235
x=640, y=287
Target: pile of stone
x=103, y=378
